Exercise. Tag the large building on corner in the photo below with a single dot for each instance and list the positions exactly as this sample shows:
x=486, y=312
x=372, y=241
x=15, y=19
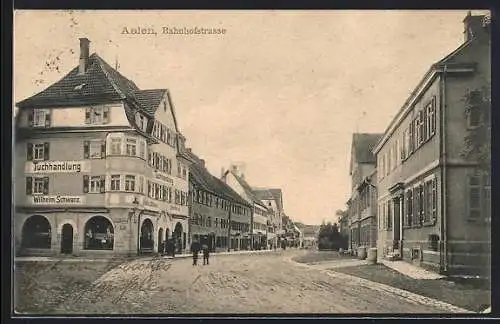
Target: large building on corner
x=97, y=166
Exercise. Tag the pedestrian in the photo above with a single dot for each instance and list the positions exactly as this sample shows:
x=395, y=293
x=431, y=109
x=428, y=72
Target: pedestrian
x=195, y=249
x=161, y=248
x=172, y=248
x=206, y=253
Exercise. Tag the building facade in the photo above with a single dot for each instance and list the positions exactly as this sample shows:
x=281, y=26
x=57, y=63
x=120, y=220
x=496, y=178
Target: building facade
x=362, y=215
x=94, y=156
x=272, y=198
x=255, y=236
x=214, y=207
x=434, y=203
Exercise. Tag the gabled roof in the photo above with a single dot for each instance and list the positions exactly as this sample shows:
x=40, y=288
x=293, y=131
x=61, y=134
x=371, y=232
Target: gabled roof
x=150, y=100
x=247, y=188
x=362, y=145
x=99, y=84
x=200, y=175
x=270, y=194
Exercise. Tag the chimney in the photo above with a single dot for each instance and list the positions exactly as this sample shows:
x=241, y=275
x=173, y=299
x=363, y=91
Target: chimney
x=202, y=162
x=475, y=26
x=222, y=171
x=84, y=55
x=189, y=150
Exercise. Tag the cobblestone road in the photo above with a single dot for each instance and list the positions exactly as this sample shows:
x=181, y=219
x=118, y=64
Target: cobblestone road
x=265, y=283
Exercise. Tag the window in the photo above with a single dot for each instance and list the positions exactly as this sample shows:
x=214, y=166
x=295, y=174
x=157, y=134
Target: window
x=37, y=185
x=131, y=147
x=389, y=215
x=96, y=115
x=389, y=160
x=39, y=118
x=115, y=182
x=178, y=170
x=184, y=173
x=94, y=149
x=409, y=208
x=129, y=183
x=141, y=121
x=37, y=152
x=431, y=118
x=116, y=146
x=141, y=184
x=434, y=200
x=428, y=201
x=411, y=138
x=142, y=149
x=474, y=188
x=93, y=184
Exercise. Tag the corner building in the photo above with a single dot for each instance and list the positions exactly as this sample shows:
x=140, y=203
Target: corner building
x=97, y=166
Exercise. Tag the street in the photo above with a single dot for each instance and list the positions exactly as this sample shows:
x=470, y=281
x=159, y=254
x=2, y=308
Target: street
x=260, y=283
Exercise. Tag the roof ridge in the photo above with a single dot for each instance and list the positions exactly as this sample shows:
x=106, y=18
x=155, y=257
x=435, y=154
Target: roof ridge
x=101, y=62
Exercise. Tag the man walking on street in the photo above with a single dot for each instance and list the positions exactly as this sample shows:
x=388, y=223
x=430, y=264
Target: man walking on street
x=195, y=249
x=206, y=253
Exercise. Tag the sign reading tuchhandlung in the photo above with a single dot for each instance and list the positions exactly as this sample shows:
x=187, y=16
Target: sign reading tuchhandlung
x=57, y=167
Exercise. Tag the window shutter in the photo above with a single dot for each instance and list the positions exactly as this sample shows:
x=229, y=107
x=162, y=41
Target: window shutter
x=105, y=115
x=29, y=151
x=87, y=115
x=103, y=149
x=45, y=185
x=31, y=122
x=47, y=118
x=29, y=185
x=86, y=149
x=85, y=183
x=103, y=184
x=46, y=148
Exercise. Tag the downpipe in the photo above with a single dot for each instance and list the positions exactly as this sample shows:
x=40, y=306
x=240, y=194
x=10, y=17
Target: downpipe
x=444, y=214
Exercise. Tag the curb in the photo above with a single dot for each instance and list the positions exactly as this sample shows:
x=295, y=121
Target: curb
x=415, y=298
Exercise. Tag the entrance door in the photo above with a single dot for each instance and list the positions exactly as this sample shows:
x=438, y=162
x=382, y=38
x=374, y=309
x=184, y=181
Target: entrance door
x=396, y=225
x=67, y=239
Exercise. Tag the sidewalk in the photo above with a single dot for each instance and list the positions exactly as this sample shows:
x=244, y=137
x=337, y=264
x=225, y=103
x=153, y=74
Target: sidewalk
x=377, y=286
x=98, y=259
x=412, y=271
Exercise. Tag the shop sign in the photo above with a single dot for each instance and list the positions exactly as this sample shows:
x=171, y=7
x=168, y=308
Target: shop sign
x=150, y=203
x=58, y=200
x=57, y=167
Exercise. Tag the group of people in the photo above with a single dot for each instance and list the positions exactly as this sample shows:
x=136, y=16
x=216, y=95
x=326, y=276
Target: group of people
x=168, y=248
x=196, y=247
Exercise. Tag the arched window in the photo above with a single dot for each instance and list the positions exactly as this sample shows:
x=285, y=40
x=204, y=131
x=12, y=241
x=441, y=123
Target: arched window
x=36, y=233
x=99, y=234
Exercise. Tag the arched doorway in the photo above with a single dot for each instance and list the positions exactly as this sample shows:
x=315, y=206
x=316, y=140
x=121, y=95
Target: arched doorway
x=177, y=236
x=166, y=234
x=160, y=240
x=36, y=233
x=99, y=234
x=67, y=239
x=147, y=239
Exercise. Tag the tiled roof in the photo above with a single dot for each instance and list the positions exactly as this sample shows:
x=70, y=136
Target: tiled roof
x=200, y=175
x=149, y=100
x=99, y=84
x=248, y=190
x=362, y=144
x=270, y=193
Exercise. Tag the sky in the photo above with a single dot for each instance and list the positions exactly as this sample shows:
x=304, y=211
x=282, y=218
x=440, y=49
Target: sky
x=281, y=91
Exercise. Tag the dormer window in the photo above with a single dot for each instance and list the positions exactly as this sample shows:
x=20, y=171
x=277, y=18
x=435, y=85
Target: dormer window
x=97, y=115
x=141, y=121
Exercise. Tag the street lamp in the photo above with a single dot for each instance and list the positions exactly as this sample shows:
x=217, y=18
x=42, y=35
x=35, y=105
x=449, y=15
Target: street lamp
x=137, y=218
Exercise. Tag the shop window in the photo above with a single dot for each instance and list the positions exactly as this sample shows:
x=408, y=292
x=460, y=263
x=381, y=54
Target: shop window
x=36, y=233
x=99, y=234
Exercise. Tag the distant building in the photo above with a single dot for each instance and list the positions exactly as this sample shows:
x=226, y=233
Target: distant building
x=214, y=207
x=252, y=233
x=97, y=166
x=434, y=203
x=362, y=211
x=273, y=199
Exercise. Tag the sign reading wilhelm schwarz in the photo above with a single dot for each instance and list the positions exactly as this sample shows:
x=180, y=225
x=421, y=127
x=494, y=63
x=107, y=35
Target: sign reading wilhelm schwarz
x=57, y=167
x=57, y=200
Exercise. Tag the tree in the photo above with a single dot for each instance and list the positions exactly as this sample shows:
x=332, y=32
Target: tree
x=329, y=237
x=477, y=142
